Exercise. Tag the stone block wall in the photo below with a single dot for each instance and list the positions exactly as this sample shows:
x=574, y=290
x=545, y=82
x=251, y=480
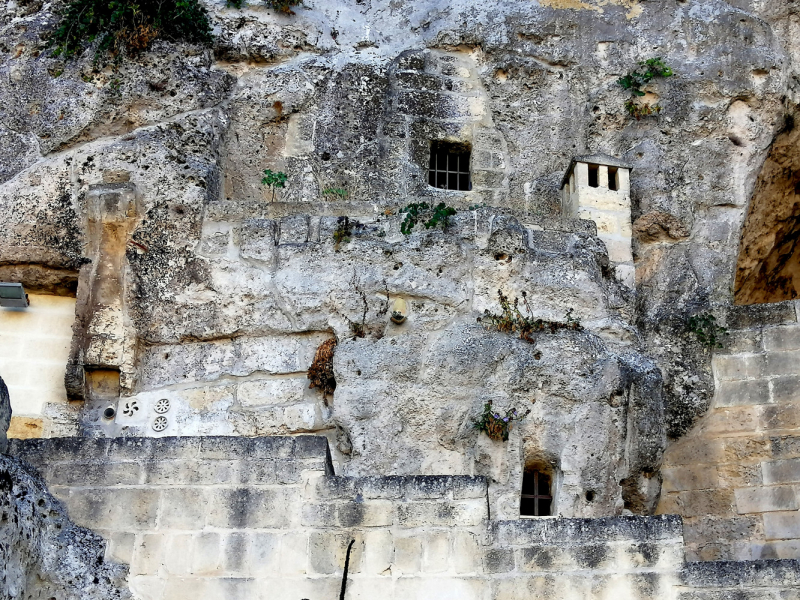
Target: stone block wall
x=265, y=518
x=736, y=477
x=42, y=553
x=194, y=517
x=34, y=347
x=225, y=517
x=573, y=559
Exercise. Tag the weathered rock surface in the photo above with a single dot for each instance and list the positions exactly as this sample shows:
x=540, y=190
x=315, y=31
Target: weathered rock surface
x=768, y=269
x=225, y=292
x=42, y=553
x=5, y=415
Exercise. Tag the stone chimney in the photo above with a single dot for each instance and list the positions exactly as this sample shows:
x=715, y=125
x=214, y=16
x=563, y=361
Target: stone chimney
x=597, y=187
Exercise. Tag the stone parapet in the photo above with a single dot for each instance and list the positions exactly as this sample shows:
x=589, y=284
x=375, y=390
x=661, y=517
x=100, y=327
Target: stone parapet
x=756, y=580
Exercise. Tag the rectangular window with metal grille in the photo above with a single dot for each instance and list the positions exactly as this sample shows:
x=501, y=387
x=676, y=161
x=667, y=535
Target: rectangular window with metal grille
x=537, y=499
x=449, y=166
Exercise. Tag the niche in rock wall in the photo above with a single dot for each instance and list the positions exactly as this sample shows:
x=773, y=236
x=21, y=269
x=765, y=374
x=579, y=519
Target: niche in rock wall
x=768, y=269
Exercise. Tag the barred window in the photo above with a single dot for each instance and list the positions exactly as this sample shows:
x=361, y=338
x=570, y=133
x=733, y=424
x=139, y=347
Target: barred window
x=537, y=499
x=449, y=166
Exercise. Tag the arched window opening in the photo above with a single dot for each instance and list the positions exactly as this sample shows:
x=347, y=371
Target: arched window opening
x=537, y=496
x=768, y=268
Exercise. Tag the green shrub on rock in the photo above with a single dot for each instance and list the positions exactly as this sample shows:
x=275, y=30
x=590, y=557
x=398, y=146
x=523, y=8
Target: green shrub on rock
x=129, y=25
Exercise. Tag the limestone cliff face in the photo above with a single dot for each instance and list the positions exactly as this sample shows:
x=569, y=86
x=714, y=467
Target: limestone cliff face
x=221, y=294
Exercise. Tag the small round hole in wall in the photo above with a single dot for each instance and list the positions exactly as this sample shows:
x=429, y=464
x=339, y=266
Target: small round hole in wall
x=109, y=413
x=160, y=424
x=590, y=496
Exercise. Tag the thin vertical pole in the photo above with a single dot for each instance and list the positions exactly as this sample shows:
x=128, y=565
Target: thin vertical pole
x=346, y=567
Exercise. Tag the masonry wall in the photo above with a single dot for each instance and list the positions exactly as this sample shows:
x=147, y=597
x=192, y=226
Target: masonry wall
x=218, y=517
x=258, y=518
x=34, y=347
x=735, y=478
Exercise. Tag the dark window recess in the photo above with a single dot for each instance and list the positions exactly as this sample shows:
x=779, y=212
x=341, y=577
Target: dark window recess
x=594, y=179
x=449, y=166
x=537, y=500
x=612, y=178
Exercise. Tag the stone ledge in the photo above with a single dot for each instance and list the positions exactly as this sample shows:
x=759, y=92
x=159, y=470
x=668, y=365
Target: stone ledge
x=758, y=573
x=412, y=487
x=563, y=531
x=44, y=452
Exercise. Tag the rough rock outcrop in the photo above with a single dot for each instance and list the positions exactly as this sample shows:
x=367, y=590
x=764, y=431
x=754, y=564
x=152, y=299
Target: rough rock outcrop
x=44, y=555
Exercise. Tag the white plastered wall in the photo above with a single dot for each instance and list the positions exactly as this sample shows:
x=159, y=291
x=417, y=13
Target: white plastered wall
x=34, y=347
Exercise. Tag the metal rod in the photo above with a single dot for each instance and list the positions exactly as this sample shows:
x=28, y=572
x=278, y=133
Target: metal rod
x=346, y=567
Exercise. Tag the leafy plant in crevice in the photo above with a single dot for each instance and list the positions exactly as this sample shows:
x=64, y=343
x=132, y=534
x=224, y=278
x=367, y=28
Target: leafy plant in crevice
x=497, y=424
x=274, y=180
x=637, y=111
x=321, y=370
x=430, y=216
x=644, y=73
x=129, y=25
x=334, y=193
x=704, y=326
x=511, y=319
x=344, y=230
x=284, y=6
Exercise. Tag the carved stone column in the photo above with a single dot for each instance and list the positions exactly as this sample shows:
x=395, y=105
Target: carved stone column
x=103, y=342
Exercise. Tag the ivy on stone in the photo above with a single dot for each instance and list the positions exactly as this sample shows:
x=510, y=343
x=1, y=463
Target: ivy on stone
x=704, y=326
x=429, y=216
x=634, y=81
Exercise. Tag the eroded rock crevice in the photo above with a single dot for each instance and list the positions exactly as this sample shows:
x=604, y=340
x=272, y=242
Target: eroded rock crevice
x=768, y=268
